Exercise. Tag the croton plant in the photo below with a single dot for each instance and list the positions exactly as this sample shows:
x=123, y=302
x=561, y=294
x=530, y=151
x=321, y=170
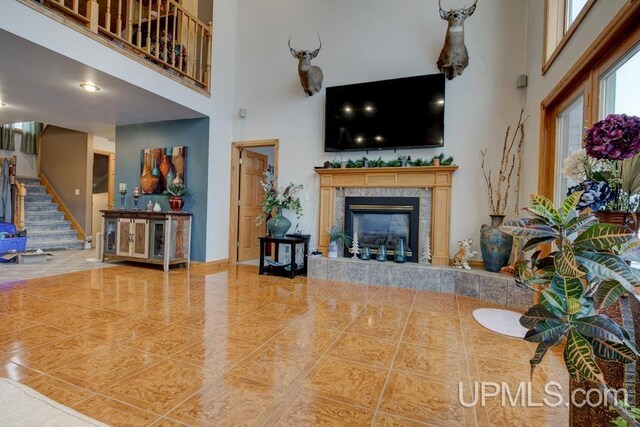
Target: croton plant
x=586, y=273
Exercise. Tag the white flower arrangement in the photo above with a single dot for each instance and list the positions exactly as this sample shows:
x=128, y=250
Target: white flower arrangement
x=577, y=166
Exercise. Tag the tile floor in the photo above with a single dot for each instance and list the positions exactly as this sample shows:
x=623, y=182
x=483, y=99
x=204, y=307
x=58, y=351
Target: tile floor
x=136, y=346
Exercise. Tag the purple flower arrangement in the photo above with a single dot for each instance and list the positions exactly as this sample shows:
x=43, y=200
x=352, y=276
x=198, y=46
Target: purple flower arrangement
x=615, y=138
x=610, y=141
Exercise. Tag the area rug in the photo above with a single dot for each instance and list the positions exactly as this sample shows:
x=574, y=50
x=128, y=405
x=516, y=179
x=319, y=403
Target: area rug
x=24, y=407
x=503, y=322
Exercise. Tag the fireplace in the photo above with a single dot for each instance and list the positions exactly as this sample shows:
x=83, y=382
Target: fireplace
x=383, y=220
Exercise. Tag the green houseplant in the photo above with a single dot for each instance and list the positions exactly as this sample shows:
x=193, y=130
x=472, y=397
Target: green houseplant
x=585, y=274
x=175, y=193
x=275, y=200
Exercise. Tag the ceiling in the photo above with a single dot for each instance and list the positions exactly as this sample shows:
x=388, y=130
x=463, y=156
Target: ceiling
x=42, y=85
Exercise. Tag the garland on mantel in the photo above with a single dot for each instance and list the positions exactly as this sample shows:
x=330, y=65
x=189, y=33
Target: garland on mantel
x=379, y=163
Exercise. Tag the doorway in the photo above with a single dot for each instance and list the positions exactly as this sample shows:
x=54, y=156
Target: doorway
x=104, y=172
x=249, y=160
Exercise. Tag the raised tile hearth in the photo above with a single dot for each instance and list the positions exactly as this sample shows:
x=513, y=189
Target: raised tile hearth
x=491, y=287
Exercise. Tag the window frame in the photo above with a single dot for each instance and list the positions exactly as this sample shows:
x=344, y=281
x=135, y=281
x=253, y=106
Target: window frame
x=615, y=41
x=556, y=32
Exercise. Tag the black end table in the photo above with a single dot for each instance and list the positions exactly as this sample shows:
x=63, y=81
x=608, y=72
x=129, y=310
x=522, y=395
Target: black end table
x=286, y=270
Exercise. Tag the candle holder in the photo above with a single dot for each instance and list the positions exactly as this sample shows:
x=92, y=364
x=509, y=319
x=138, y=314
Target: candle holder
x=123, y=196
x=136, y=200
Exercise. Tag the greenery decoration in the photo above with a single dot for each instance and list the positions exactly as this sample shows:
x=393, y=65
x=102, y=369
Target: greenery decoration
x=274, y=199
x=586, y=274
x=175, y=190
x=364, y=162
x=337, y=234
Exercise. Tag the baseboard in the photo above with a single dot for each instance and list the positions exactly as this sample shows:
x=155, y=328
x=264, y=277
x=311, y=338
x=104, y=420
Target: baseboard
x=222, y=263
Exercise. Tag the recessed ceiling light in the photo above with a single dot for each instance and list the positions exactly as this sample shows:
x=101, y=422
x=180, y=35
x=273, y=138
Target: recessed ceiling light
x=90, y=87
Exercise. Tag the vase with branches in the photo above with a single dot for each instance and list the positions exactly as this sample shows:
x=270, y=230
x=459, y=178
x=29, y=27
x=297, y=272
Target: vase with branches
x=495, y=245
x=275, y=201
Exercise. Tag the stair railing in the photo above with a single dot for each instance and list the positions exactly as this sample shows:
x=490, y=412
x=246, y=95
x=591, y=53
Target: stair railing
x=20, y=190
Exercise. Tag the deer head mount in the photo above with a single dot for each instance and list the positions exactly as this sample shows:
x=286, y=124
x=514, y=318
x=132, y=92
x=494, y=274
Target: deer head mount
x=454, y=57
x=310, y=75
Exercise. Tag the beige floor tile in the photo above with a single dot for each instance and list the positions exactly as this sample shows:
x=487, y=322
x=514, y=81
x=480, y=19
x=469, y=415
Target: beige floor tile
x=347, y=381
x=308, y=409
x=364, y=349
x=115, y=413
x=30, y=337
x=58, y=390
x=166, y=341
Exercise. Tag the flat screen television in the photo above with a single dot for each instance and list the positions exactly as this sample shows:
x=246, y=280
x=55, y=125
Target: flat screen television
x=388, y=114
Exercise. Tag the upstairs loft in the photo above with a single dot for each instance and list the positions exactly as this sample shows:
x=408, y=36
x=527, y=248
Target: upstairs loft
x=166, y=35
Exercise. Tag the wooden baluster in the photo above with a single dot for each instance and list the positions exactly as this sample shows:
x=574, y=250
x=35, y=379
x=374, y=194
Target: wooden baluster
x=92, y=15
x=22, y=192
x=119, y=19
x=139, y=28
x=200, y=63
x=75, y=6
x=149, y=27
x=158, y=29
x=175, y=37
x=207, y=74
x=166, y=32
x=129, y=35
x=182, y=45
x=107, y=17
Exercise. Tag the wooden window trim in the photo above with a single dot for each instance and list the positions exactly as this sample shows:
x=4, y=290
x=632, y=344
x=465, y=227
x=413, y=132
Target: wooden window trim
x=615, y=40
x=560, y=21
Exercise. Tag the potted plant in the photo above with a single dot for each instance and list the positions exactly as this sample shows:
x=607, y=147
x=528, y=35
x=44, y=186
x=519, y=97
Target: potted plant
x=336, y=236
x=577, y=283
x=275, y=200
x=607, y=170
x=175, y=192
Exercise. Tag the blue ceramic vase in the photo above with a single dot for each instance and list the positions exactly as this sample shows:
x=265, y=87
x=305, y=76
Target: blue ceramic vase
x=495, y=245
x=278, y=225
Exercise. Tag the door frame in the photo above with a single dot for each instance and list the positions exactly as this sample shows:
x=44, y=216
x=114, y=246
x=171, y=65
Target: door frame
x=112, y=175
x=236, y=148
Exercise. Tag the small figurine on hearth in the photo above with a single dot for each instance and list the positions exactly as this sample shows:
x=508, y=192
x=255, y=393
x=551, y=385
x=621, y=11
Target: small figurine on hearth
x=461, y=259
x=355, y=246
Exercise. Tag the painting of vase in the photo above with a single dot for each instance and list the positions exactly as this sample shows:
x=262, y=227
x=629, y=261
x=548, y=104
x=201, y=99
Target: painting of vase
x=161, y=167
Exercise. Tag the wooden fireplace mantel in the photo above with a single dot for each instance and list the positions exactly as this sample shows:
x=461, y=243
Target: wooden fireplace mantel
x=438, y=178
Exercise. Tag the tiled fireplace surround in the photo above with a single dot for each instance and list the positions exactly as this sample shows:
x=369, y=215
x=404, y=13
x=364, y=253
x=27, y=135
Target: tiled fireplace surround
x=421, y=183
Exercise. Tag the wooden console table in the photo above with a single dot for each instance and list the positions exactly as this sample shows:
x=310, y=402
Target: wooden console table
x=438, y=178
x=162, y=238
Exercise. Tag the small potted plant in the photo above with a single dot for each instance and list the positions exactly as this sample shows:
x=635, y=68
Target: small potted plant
x=175, y=192
x=336, y=235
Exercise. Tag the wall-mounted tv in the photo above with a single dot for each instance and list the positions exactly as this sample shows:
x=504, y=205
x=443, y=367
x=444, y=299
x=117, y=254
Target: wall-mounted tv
x=386, y=115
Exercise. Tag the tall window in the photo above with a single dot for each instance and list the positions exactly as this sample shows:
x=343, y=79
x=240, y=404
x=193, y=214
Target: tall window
x=573, y=9
x=562, y=18
x=620, y=87
x=568, y=138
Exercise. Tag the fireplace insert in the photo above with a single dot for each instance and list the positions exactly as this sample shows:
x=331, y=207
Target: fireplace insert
x=384, y=220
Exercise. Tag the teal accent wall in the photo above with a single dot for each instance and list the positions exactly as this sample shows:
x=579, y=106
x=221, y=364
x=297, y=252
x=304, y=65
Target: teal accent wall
x=192, y=133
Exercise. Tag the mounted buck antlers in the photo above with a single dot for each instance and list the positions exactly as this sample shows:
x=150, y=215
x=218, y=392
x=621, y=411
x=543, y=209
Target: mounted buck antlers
x=454, y=57
x=310, y=75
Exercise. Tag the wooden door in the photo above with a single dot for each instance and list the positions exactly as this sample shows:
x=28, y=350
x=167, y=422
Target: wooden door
x=140, y=239
x=124, y=237
x=252, y=166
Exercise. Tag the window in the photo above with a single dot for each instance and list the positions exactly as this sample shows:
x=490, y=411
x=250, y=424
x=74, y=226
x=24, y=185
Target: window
x=620, y=87
x=573, y=9
x=568, y=138
x=562, y=18
x=604, y=81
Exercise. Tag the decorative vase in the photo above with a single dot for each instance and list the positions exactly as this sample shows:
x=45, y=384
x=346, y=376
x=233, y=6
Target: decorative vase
x=382, y=253
x=278, y=225
x=148, y=181
x=176, y=203
x=155, y=171
x=624, y=219
x=333, y=249
x=165, y=168
x=365, y=255
x=178, y=161
x=171, y=176
x=400, y=251
x=495, y=245
x=178, y=179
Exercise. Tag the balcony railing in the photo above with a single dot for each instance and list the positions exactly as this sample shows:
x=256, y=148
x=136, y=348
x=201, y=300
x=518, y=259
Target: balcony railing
x=161, y=31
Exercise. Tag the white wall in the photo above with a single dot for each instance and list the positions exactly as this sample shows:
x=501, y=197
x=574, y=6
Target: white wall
x=103, y=144
x=539, y=86
x=221, y=111
x=366, y=40
x=26, y=164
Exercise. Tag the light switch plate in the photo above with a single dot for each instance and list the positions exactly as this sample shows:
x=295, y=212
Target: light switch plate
x=77, y=191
